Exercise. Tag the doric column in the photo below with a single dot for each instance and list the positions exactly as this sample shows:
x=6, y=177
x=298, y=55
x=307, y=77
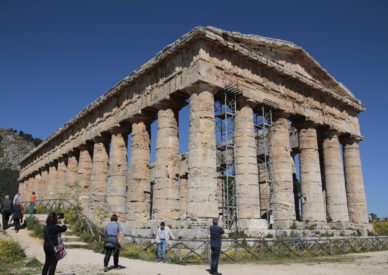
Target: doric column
x=37, y=179
x=167, y=165
x=97, y=186
x=84, y=172
x=71, y=186
x=183, y=198
x=358, y=212
x=310, y=174
x=202, y=182
x=264, y=187
x=139, y=177
x=61, y=175
x=43, y=183
x=337, y=210
x=117, y=173
x=52, y=182
x=245, y=160
x=282, y=198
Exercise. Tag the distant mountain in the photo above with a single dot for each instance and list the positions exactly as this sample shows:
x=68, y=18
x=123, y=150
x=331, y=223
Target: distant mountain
x=13, y=146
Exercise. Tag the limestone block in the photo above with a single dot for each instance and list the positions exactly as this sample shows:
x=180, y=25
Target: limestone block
x=167, y=166
x=310, y=173
x=84, y=172
x=71, y=184
x=337, y=210
x=97, y=186
x=117, y=175
x=61, y=175
x=138, y=198
x=282, y=199
x=52, y=182
x=202, y=182
x=358, y=212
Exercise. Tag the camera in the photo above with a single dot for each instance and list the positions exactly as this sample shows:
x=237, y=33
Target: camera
x=60, y=216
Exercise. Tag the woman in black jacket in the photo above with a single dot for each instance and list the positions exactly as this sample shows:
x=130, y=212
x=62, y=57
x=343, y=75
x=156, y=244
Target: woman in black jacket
x=17, y=215
x=51, y=231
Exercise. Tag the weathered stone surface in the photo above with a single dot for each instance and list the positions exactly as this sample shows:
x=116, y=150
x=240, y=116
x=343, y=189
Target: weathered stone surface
x=310, y=174
x=264, y=187
x=167, y=166
x=337, y=209
x=358, y=212
x=117, y=175
x=71, y=183
x=84, y=172
x=61, y=175
x=52, y=182
x=97, y=186
x=202, y=183
x=139, y=176
x=42, y=185
x=282, y=200
x=183, y=198
x=245, y=157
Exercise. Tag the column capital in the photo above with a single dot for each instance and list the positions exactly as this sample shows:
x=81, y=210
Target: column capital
x=118, y=129
x=246, y=102
x=278, y=114
x=350, y=139
x=171, y=102
x=329, y=133
x=303, y=123
x=86, y=146
x=99, y=139
x=200, y=87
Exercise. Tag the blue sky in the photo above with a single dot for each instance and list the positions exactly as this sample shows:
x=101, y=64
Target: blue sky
x=56, y=57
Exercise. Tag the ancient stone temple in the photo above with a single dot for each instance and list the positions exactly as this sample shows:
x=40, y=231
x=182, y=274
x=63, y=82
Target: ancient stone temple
x=273, y=142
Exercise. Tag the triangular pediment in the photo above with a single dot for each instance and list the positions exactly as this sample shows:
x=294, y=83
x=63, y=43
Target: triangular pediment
x=288, y=55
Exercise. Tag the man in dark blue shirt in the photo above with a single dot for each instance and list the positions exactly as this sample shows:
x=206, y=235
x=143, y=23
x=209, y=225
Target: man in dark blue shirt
x=215, y=245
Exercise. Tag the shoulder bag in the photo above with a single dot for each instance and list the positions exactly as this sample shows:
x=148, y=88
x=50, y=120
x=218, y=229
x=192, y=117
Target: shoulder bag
x=59, y=249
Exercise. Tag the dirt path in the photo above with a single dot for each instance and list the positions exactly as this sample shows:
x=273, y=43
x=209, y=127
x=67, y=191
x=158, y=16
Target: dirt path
x=82, y=261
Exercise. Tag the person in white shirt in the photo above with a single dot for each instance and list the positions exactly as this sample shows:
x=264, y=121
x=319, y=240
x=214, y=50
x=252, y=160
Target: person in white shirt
x=16, y=198
x=163, y=237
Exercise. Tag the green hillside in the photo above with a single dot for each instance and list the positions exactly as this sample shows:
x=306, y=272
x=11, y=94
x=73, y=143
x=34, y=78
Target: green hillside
x=13, y=146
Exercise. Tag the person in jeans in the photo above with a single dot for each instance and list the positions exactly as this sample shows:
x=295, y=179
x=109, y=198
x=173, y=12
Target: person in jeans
x=163, y=237
x=32, y=203
x=6, y=211
x=51, y=231
x=215, y=245
x=17, y=215
x=112, y=246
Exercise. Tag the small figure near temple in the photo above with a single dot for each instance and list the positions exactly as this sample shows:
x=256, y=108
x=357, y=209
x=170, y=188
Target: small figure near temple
x=6, y=208
x=216, y=232
x=163, y=237
x=112, y=246
x=32, y=203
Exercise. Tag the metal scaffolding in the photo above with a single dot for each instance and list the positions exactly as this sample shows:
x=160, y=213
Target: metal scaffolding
x=263, y=124
x=225, y=111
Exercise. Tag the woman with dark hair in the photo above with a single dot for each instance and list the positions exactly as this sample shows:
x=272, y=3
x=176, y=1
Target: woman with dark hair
x=51, y=231
x=17, y=215
x=112, y=246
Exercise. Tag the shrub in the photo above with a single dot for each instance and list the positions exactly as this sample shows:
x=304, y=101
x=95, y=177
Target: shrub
x=10, y=251
x=381, y=228
x=36, y=228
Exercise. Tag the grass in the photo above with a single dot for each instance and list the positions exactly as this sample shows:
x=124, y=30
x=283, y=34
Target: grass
x=37, y=229
x=13, y=260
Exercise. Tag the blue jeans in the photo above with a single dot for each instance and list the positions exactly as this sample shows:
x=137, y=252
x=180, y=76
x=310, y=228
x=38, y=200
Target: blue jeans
x=162, y=250
x=215, y=256
x=31, y=209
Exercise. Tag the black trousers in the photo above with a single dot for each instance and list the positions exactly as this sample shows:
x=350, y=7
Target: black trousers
x=215, y=257
x=16, y=222
x=6, y=215
x=108, y=253
x=51, y=261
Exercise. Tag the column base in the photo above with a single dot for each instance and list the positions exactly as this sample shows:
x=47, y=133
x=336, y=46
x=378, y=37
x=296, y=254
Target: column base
x=249, y=226
x=341, y=225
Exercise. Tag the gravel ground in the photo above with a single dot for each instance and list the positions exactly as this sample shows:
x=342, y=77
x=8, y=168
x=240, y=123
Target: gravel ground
x=83, y=261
